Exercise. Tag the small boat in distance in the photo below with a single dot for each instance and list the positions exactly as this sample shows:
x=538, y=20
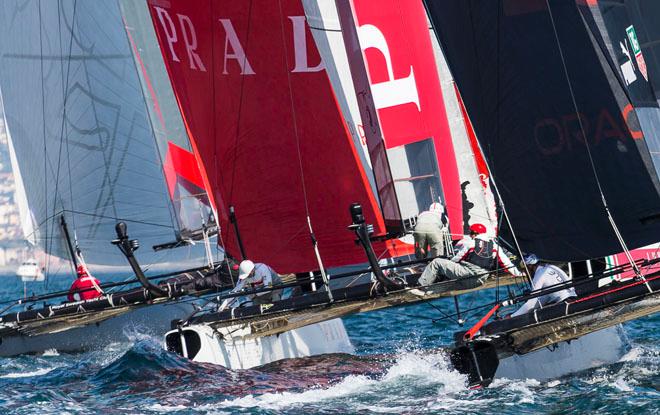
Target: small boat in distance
x=30, y=271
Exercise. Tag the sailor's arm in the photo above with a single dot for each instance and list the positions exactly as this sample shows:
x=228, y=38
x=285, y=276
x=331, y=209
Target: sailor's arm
x=229, y=301
x=529, y=305
x=537, y=283
x=505, y=262
x=463, y=247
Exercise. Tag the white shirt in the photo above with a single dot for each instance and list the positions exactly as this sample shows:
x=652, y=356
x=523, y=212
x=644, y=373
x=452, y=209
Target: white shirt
x=260, y=278
x=428, y=218
x=546, y=276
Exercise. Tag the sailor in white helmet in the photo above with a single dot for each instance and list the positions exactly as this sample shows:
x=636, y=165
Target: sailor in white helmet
x=545, y=276
x=430, y=232
x=253, y=276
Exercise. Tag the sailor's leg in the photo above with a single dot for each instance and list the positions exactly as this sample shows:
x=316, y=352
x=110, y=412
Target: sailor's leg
x=436, y=268
x=437, y=241
x=420, y=244
x=473, y=276
x=454, y=270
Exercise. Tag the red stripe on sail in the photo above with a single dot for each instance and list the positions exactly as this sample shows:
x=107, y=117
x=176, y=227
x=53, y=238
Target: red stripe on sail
x=181, y=163
x=482, y=167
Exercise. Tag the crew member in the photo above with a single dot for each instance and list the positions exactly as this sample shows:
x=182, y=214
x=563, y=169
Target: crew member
x=545, y=276
x=477, y=255
x=85, y=287
x=430, y=232
x=253, y=276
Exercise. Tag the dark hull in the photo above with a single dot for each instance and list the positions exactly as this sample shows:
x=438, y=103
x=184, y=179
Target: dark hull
x=565, y=321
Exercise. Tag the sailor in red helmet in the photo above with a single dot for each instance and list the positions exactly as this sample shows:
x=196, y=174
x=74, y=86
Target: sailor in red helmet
x=476, y=256
x=85, y=287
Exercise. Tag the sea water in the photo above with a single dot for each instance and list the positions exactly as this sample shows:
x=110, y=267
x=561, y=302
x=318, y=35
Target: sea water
x=399, y=368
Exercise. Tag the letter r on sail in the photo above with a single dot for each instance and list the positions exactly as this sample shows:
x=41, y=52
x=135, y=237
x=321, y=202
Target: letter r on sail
x=395, y=91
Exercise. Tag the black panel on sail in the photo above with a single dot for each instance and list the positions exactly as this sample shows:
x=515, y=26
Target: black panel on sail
x=536, y=81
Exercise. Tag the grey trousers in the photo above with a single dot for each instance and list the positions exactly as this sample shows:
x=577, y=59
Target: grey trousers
x=431, y=237
x=440, y=269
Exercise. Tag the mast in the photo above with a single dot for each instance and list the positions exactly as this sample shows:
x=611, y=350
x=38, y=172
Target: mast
x=72, y=252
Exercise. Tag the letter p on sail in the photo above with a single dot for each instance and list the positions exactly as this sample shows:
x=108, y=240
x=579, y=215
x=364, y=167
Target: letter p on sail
x=394, y=91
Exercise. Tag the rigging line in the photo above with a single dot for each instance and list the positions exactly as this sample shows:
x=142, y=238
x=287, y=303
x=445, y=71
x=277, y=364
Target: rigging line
x=586, y=142
x=487, y=163
x=300, y=162
x=240, y=104
x=445, y=315
x=43, y=129
x=96, y=215
x=63, y=139
x=293, y=111
x=226, y=259
x=174, y=218
x=203, y=168
x=66, y=88
x=466, y=311
x=45, y=221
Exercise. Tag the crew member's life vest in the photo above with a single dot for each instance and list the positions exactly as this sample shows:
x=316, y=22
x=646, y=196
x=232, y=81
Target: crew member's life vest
x=84, y=282
x=482, y=254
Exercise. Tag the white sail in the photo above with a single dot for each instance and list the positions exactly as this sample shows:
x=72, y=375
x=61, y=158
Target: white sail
x=323, y=22
x=476, y=190
x=191, y=201
x=323, y=19
x=408, y=163
x=28, y=222
x=81, y=132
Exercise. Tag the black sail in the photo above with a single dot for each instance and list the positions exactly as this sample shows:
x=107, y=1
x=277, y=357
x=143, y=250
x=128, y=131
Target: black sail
x=539, y=79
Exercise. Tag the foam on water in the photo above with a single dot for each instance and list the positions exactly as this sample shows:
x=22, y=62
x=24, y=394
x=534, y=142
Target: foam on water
x=38, y=372
x=410, y=370
x=399, y=370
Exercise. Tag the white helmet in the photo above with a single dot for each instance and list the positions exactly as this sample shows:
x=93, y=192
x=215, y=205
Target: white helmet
x=530, y=259
x=245, y=269
x=437, y=207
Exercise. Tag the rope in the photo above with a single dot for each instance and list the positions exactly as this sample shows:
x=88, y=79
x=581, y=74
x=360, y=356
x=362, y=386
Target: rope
x=591, y=161
x=300, y=162
x=240, y=105
x=43, y=129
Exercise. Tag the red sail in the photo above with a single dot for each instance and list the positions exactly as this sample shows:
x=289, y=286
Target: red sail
x=261, y=112
x=406, y=88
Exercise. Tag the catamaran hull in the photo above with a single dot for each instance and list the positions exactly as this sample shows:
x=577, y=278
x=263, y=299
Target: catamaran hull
x=234, y=347
x=592, y=350
x=151, y=320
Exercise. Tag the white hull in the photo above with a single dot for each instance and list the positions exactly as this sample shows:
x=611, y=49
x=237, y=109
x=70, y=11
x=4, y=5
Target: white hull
x=592, y=350
x=30, y=272
x=153, y=320
x=33, y=278
x=233, y=348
